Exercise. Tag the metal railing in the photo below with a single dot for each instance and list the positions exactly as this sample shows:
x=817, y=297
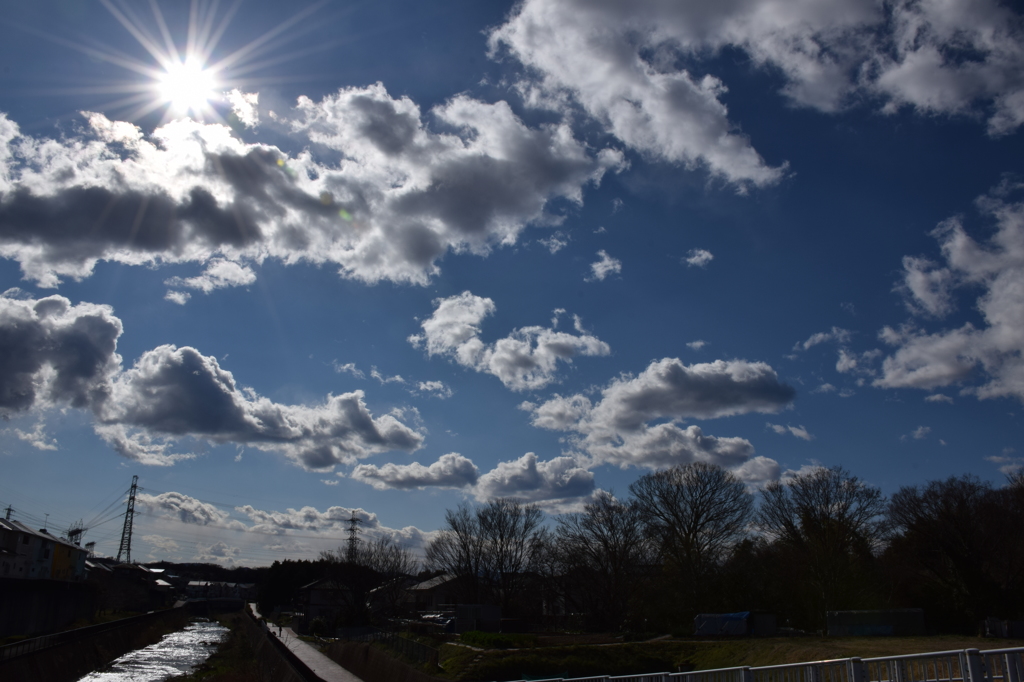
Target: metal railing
x=966, y=665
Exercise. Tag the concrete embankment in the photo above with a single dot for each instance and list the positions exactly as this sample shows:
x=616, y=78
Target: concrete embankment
x=89, y=648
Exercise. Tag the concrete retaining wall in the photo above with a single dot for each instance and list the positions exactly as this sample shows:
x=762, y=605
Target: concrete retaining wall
x=92, y=649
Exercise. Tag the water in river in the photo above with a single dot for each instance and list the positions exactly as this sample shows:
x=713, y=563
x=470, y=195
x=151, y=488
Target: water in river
x=176, y=654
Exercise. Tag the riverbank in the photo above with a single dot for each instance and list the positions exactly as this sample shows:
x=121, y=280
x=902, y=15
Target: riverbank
x=667, y=655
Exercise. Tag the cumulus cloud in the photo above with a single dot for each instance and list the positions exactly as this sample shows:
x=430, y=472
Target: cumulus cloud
x=798, y=431
x=696, y=345
x=449, y=471
x=987, y=359
x=400, y=197
x=53, y=354
x=699, y=258
x=533, y=480
x=611, y=60
x=621, y=428
x=604, y=267
x=639, y=68
x=938, y=398
x=186, y=509
x=526, y=359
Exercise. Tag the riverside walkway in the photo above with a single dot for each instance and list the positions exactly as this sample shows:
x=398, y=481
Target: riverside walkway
x=323, y=667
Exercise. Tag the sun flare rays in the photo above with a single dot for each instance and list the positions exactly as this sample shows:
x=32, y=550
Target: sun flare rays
x=184, y=74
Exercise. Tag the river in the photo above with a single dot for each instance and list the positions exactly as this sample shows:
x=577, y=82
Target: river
x=176, y=654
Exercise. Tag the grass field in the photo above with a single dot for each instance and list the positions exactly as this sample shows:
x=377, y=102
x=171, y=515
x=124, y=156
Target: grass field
x=670, y=655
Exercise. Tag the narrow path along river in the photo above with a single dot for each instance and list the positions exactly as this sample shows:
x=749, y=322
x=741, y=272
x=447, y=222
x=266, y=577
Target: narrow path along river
x=177, y=653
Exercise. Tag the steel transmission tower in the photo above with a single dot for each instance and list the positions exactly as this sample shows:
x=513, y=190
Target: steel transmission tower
x=353, y=538
x=126, y=534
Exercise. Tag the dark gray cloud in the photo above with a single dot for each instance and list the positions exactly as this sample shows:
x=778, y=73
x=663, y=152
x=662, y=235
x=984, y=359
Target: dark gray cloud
x=52, y=351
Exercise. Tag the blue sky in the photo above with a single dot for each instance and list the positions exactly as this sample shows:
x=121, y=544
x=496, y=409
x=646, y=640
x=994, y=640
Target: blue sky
x=388, y=257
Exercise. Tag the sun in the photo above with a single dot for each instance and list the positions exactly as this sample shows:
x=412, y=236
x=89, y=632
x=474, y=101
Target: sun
x=187, y=87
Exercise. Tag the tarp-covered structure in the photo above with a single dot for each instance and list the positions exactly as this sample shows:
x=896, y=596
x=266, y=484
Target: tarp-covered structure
x=740, y=624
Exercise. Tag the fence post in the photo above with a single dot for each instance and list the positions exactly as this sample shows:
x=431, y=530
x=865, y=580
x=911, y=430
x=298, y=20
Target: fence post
x=1012, y=665
x=975, y=666
x=746, y=674
x=855, y=670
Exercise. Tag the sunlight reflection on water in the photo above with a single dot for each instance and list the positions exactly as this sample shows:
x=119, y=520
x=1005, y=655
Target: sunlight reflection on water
x=176, y=654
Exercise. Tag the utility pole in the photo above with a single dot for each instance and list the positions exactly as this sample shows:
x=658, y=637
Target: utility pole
x=8, y=510
x=129, y=516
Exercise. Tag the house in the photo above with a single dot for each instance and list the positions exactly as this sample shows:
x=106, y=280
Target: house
x=431, y=595
x=38, y=555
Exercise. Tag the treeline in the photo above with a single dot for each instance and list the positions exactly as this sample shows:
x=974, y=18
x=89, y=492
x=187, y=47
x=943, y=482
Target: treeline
x=693, y=539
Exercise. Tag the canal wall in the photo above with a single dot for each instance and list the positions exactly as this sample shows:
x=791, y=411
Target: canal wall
x=67, y=656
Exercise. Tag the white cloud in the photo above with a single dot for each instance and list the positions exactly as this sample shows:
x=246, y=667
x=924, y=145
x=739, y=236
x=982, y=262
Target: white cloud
x=401, y=196
x=348, y=368
x=593, y=54
x=837, y=334
x=68, y=357
x=244, y=105
x=396, y=379
x=186, y=509
x=219, y=274
x=699, y=258
x=556, y=242
x=449, y=471
x=37, y=437
x=696, y=345
x=638, y=67
x=921, y=432
x=930, y=360
x=938, y=398
x=825, y=388
x=436, y=388
x=604, y=267
x=527, y=359
x=798, y=431
x=179, y=297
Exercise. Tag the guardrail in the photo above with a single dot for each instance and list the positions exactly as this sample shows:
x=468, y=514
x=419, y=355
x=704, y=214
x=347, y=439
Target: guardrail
x=966, y=665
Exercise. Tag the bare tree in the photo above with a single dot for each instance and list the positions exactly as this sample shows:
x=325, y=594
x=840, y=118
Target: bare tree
x=489, y=550
x=602, y=553
x=696, y=513
x=458, y=550
x=830, y=524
